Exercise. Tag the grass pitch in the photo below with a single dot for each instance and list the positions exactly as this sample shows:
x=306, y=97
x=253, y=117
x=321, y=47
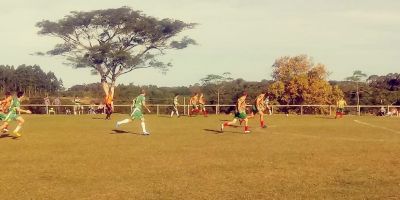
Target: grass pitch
x=296, y=157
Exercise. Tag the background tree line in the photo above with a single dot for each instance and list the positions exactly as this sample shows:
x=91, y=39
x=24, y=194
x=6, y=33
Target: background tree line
x=29, y=78
x=304, y=83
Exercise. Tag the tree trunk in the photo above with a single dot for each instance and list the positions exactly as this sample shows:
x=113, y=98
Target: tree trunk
x=218, y=102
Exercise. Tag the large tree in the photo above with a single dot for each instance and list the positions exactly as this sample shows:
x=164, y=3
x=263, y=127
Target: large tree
x=113, y=42
x=299, y=81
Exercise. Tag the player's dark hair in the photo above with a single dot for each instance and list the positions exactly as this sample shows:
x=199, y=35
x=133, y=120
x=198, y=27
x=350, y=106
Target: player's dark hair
x=20, y=94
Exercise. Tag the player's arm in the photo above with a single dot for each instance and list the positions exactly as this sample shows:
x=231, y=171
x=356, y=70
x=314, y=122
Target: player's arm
x=144, y=105
x=23, y=111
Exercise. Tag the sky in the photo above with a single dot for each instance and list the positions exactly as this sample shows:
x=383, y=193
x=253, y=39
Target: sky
x=243, y=37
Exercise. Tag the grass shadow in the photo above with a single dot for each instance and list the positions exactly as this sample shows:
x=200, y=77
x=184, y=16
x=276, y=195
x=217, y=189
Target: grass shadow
x=8, y=136
x=116, y=131
x=3, y=136
x=325, y=117
x=219, y=132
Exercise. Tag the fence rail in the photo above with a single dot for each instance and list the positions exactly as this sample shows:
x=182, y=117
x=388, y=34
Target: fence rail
x=162, y=109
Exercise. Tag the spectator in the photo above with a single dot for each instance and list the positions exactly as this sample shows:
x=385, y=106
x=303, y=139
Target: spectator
x=382, y=111
x=77, y=107
x=47, y=103
x=57, y=103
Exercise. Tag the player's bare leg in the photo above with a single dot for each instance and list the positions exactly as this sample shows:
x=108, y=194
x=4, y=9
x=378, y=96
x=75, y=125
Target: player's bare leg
x=228, y=124
x=20, y=121
x=262, y=124
x=246, y=126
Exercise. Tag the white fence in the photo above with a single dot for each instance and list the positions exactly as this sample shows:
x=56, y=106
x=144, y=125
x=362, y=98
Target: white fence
x=162, y=109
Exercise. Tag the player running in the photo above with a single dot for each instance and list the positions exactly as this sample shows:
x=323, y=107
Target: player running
x=137, y=112
x=259, y=107
x=4, y=107
x=13, y=115
x=202, y=103
x=193, y=102
x=239, y=114
x=175, y=106
x=340, y=107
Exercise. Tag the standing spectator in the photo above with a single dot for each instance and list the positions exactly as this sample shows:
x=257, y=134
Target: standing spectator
x=57, y=103
x=77, y=107
x=382, y=111
x=47, y=103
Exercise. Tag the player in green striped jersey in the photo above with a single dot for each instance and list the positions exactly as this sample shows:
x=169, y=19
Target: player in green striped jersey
x=13, y=114
x=137, y=112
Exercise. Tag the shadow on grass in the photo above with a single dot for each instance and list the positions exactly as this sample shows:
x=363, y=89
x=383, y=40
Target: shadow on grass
x=3, y=136
x=325, y=117
x=116, y=131
x=219, y=132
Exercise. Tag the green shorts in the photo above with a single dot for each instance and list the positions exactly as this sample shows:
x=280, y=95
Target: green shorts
x=240, y=115
x=340, y=110
x=202, y=107
x=136, y=114
x=194, y=106
x=11, y=117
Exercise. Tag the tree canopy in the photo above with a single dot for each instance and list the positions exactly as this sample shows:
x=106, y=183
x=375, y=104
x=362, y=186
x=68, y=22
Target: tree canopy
x=113, y=42
x=297, y=80
x=29, y=78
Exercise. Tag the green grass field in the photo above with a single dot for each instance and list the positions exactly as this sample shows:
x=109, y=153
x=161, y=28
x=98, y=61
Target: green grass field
x=296, y=157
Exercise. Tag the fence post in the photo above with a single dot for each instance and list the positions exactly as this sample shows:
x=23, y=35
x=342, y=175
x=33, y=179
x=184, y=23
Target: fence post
x=158, y=109
x=184, y=105
x=272, y=109
x=330, y=109
x=301, y=110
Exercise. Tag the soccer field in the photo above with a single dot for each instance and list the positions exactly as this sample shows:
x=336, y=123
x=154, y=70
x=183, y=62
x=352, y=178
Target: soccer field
x=296, y=157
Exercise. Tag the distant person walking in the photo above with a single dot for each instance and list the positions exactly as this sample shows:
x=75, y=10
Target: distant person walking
x=175, y=106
